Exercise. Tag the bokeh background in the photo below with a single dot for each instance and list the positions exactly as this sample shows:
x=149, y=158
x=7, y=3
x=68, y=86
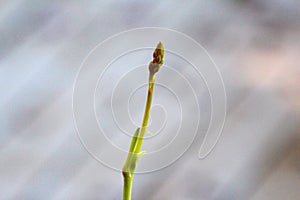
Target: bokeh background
x=256, y=45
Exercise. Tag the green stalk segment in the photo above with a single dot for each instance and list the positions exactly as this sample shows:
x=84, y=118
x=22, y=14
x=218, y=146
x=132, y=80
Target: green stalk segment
x=137, y=140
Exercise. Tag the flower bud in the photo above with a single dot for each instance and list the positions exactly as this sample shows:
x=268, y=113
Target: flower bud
x=158, y=58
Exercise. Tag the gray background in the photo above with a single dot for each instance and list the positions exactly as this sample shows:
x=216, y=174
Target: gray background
x=254, y=43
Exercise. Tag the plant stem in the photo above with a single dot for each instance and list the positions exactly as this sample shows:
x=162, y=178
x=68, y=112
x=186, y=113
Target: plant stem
x=146, y=114
x=137, y=140
x=127, y=186
x=136, y=144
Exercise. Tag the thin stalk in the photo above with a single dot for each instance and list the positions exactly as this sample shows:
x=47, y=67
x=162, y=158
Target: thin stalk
x=127, y=186
x=142, y=131
x=137, y=140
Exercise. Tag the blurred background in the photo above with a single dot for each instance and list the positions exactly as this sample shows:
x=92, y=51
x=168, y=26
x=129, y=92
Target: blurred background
x=256, y=45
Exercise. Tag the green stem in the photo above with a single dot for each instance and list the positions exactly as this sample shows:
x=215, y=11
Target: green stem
x=127, y=186
x=141, y=134
x=136, y=144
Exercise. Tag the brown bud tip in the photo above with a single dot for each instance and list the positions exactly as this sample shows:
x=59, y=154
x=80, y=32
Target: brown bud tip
x=158, y=58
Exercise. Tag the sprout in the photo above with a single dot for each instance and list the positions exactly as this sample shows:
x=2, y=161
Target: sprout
x=136, y=143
